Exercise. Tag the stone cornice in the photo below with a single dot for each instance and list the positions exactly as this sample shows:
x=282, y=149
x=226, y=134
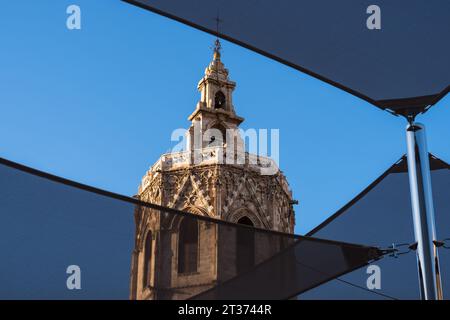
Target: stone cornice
x=228, y=114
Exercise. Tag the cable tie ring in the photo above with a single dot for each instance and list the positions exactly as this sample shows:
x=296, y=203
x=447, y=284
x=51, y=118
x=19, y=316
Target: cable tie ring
x=442, y=243
x=394, y=252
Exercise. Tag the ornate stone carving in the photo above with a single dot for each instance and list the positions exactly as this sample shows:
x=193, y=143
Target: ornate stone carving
x=206, y=187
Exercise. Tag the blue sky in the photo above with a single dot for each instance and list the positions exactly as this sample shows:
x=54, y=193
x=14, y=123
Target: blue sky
x=98, y=105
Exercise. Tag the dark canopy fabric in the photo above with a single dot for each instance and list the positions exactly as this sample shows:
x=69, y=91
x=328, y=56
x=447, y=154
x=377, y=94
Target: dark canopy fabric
x=49, y=223
x=382, y=215
x=403, y=66
x=296, y=269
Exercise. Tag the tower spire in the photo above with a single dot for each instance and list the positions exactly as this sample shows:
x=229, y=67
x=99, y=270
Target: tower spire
x=217, y=44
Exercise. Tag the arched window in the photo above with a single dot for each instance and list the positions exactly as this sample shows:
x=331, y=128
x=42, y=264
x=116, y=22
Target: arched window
x=147, y=260
x=245, y=246
x=217, y=136
x=245, y=221
x=188, y=246
x=219, y=100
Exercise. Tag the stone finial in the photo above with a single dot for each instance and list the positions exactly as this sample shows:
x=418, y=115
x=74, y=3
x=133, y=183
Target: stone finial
x=217, y=48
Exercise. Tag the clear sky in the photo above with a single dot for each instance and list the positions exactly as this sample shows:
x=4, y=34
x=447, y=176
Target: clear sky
x=98, y=105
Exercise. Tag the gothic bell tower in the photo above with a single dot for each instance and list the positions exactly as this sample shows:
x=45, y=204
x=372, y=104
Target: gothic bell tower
x=176, y=257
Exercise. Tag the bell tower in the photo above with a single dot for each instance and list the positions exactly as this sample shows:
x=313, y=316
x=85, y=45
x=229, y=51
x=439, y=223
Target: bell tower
x=215, y=110
x=178, y=257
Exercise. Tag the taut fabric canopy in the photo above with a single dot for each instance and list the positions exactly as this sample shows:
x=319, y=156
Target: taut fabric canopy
x=403, y=66
x=49, y=224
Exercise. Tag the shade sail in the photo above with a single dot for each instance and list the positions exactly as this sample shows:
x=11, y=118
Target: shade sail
x=403, y=66
x=305, y=264
x=382, y=215
x=126, y=248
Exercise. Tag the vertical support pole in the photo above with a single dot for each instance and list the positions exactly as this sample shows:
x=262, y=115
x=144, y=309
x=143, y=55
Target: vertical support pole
x=423, y=212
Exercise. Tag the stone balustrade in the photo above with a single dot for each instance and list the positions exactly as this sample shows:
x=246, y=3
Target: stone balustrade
x=209, y=156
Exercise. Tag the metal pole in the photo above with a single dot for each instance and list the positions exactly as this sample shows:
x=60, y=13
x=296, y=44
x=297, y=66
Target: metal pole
x=423, y=212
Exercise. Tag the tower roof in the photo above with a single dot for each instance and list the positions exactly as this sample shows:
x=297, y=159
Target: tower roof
x=216, y=68
x=216, y=91
x=217, y=48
